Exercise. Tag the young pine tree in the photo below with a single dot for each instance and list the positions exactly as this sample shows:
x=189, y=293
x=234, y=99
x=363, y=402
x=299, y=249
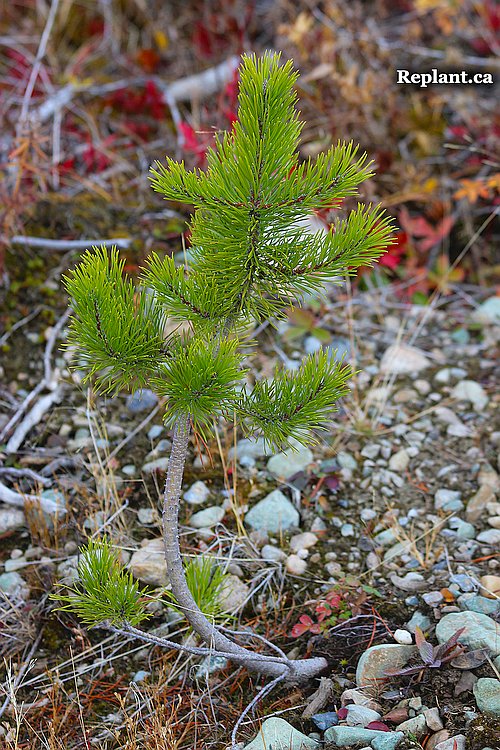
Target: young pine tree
x=252, y=258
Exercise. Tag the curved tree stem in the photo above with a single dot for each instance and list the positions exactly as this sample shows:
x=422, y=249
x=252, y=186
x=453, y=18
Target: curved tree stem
x=294, y=671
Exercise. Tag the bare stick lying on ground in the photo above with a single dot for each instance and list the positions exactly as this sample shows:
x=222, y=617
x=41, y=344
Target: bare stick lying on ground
x=65, y=245
x=37, y=411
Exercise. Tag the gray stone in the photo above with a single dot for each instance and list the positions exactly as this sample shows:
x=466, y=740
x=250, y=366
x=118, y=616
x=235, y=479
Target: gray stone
x=11, y=519
x=465, y=582
x=400, y=359
x=197, y=494
x=488, y=311
x=490, y=536
x=274, y=513
x=469, y=390
x=234, y=594
x=448, y=500
x=209, y=665
x=325, y=720
x=290, y=462
x=480, y=630
x=67, y=570
x=248, y=451
x=208, y=517
x=352, y=736
x=141, y=400
x=360, y=716
x=481, y=604
x=374, y=664
x=389, y=741
x=418, y=620
x=462, y=529
x=346, y=461
x=148, y=563
x=416, y=725
x=160, y=464
x=147, y=516
x=409, y=582
x=487, y=695
x=433, y=719
x=453, y=743
x=399, y=461
x=347, y=529
x=155, y=431
x=14, y=585
x=278, y=734
x=52, y=502
x=274, y=554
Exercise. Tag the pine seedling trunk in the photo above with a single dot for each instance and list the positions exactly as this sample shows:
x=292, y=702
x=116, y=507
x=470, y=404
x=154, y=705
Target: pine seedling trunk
x=252, y=258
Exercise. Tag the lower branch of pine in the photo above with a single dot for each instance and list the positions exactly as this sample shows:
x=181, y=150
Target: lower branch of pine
x=219, y=644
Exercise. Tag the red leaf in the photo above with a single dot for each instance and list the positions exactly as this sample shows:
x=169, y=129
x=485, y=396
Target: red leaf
x=342, y=713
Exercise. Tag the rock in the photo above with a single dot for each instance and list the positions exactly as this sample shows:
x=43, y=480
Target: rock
x=490, y=536
x=52, y=502
x=296, y=565
x=433, y=598
x=480, y=630
x=453, y=743
x=209, y=665
x=488, y=476
x=481, y=604
x=347, y=529
x=387, y=741
x=11, y=519
x=346, y=461
x=354, y=736
x=67, y=570
x=159, y=464
x=234, y=594
x=290, y=462
x=155, y=431
x=359, y=698
x=465, y=684
x=462, y=529
x=399, y=461
x=409, y=582
x=433, y=719
x=140, y=675
x=147, y=516
x=14, y=585
x=418, y=620
x=488, y=311
x=469, y=390
x=248, y=451
x=197, y=494
x=280, y=735
x=378, y=660
x=400, y=359
x=464, y=582
x=487, y=695
x=435, y=739
x=416, y=725
x=274, y=554
x=403, y=636
x=490, y=587
x=325, y=720
x=274, y=513
x=148, y=563
x=208, y=517
x=142, y=400
x=303, y=541
x=448, y=500
x=478, y=503
x=360, y=716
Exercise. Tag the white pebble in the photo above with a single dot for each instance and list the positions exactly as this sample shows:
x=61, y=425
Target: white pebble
x=403, y=637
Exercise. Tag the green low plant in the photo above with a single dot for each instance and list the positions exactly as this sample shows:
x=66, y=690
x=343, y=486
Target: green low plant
x=252, y=259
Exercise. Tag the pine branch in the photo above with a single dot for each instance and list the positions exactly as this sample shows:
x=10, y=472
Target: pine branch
x=294, y=403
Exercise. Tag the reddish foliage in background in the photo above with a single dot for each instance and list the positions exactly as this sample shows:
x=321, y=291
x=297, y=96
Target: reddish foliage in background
x=490, y=14
x=221, y=28
x=149, y=101
x=327, y=611
x=394, y=255
x=418, y=227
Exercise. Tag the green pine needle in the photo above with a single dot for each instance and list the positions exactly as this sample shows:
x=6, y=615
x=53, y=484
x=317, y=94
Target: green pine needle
x=293, y=403
x=118, y=332
x=206, y=581
x=105, y=592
